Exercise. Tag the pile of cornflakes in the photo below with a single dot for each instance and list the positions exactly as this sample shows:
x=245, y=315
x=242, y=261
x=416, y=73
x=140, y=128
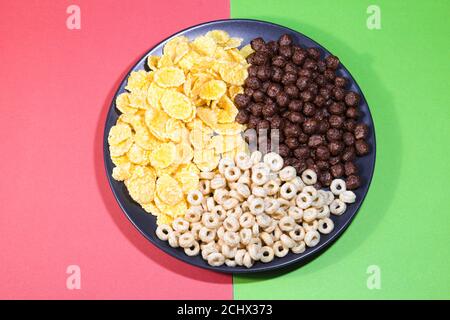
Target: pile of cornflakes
x=178, y=120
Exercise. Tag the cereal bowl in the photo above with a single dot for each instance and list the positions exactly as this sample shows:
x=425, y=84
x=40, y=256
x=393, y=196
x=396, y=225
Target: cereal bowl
x=146, y=223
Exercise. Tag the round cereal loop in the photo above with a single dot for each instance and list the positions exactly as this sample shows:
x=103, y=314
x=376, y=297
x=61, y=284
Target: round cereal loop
x=181, y=225
x=220, y=212
x=263, y=220
x=243, y=190
x=267, y=254
x=271, y=205
x=172, y=239
x=210, y=204
x=228, y=252
x=206, y=175
x=210, y=220
x=192, y=215
x=220, y=195
x=256, y=240
x=218, y=183
x=338, y=186
x=236, y=195
x=245, y=177
x=231, y=238
x=186, y=240
x=220, y=232
x=195, y=197
x=256, y=157
x=347, y=196
x=286, y=224
x=309, y=215
x=271, y=187
x=266, y=238
x=274, y=161
x=247, y=220
x=323, y=212
x=225, y=163
x=279, y=249
x=193, y=250
x=311, y=191
x=245, y=236
x=272, y=226
x=298, y=183
x=205, y=187
x=309, y=177
x=325, y=226
x=195, y=228
x=299, y=248
x=260, y=176
x=254, y=251
x=295, y=213
x=243, y=161
x=318, y=201
x=230, y=263
x=277, y=233
x=232, y=174
x=255, y=230
x=329, y=198
x=303, y=200
x=235, y=212
x=312, y=238
x=239, y=258
x=231, y=224
x=258, y=191
x=338, y=207
x=287, y=173
x=206, y=235
x=298, y=233
x=216, y=259
x=288, y=191
x=230, y=203
x=310, y=226
x=287, y=241
x=162, y=232
x=206, y=251
x=247, y=260
x=256, y=206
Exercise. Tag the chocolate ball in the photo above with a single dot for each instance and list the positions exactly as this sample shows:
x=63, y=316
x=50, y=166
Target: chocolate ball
x=332, y=62
x=348, y=138
x=362, y=148
x=285, y=40
x=253, y=83
x=241, y=100
x=302, y=152
x=361, y=131
x=322, y=153
x=257, y=44
x=352, y=99
x=273, y=90
x=283, y=150
x=337, y=170
x=292, y=143
x=242, y=117
x=336, y=147
x=315, y=141
x=350, y=168
x=295, y=105
x=310, y=126
x=291, y=130
x=309, y=109
x=353, y=182
x=334, y=134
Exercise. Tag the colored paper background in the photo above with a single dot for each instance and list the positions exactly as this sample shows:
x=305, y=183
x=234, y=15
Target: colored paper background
x=56, y=205
x=403, y=226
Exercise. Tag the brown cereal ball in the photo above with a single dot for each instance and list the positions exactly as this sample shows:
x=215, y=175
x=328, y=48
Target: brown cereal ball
x=252, y=122
x=264, y=72
x=278, y=61
x=257, y=44
x=314, y=53
x=362, y=148
x=322, y=153
x=323, y=126
x=252, y=70
x=273, y=90
x=256, y=109
x=350, y=168
x=277, y=74
x=310, y=64
x=303, y=138
x=352, y=99
x=260, y=58
x=276, y=122
x=285, y=51
x=352, y=113
x=289, y=78
x=273, y=47
x=315, y=141
x=241, y=100
x=295, y=105
x=302, y=83
x=299, y=56
x=361, y=131
x=310, y=126
x=349, y=154
x=337, y=108
x=350, y=125
x=263, y=124
x=334, y=134
x=302, y=152
x=353, y=182
x=332, y=62
x=348, y=138
x=291, y=67
x=242, y=117
x=307, y=96
x=338, y=93
x=248, y=91
x=325, y=178
x=258, y=96
x=285, y=40
x=269, y=109
x=292, y=142
x=309, y=109
x=336, y=147
x=303, y=72
x=295, y=117
x=283, y=99
x=337, y=170
x=291, y=129
x=253, y=83
x=284, y=150
x=340, y=82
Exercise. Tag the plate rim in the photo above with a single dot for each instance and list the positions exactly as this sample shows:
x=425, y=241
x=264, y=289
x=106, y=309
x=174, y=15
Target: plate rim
x=310, y=253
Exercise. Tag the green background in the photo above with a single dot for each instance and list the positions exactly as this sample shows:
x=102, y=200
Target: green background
x=403, y=226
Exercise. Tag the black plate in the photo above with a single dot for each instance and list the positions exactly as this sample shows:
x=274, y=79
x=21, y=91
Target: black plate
x=248, y=30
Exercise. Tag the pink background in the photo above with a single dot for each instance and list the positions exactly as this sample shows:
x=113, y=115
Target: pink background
x=56, y=205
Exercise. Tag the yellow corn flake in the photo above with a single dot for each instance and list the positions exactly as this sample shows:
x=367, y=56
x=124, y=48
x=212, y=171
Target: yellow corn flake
x=199, y=138
x=121, y=148
x=164, y=219
x=123, y=104
x=119, y=133
x=164, y=155
x=138, y=99
x=234, y=90
x=185, y=152
x=226, y=111
x=208, y=116
x=165, y=61
x=170, y=48
x=236, y=56
x=122, y=171
x=154, y=94
x=120, y=160
x=152, y=62
x=233, y=43
x=213, y=90
x=246, y=51
x=204, y=155
x=141, y=185
x=169, y=190
x=177, y=105
x=204, y=45
x=210, y=165
x=145, y=139
x=171, y=211
x=174, y=129
x=223, y=144
x=156, y=122
x=151, y=208
x=228, y=128
x=219, y=36
x=169, y=77
x=138, y=80
x=233, y=73
x=138, y=155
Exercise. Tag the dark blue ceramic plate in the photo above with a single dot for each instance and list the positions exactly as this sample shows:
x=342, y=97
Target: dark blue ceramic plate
x=248, y=30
